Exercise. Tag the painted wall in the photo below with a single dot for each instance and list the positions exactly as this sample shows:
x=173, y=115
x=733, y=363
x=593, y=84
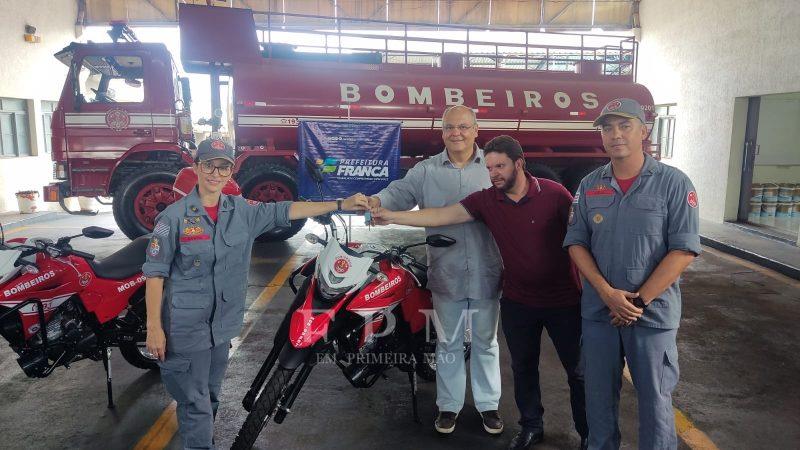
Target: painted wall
x=703, y=55
x=30, y=72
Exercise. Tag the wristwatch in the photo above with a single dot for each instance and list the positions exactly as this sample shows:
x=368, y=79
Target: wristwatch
x=338, y=204
x=639, y=303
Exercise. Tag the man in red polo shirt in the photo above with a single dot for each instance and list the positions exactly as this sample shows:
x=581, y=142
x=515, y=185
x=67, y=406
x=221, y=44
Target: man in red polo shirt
x=528, y=218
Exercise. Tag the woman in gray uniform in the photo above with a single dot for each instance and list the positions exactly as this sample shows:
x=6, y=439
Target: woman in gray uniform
x=201, y=246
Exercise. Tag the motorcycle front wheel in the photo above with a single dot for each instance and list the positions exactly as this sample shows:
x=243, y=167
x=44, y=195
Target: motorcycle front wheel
x=262, y=409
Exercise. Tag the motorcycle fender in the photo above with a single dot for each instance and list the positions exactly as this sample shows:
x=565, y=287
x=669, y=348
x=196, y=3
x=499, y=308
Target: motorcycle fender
x=291, y=357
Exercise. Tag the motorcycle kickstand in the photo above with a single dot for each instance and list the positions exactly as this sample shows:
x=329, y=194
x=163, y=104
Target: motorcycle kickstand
x=412, y=379
x=107, y=365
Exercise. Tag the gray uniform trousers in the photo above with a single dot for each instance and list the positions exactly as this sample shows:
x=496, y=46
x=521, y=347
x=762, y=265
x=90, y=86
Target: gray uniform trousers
x=194, y=380
x=652, y=357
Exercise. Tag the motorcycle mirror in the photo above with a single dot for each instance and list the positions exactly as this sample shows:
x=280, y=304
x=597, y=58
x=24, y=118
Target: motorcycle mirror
x=312, y=170
x=312, y=238
x=96, y=232
x=439, y=240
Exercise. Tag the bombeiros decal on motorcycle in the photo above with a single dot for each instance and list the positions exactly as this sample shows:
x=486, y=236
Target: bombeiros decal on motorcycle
x=28, y=284
x=383, y=288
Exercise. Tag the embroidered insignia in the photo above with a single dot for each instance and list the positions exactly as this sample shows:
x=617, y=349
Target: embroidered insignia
x=192, y=231
x=598, y=218
x=614, y=105
x=161, y=229
x=201, y=237
x=691, y=199
x=252, y=202
x=191, y=220
x=600, y=189
x=193, y=209
x=217, y=145
x=154, y=248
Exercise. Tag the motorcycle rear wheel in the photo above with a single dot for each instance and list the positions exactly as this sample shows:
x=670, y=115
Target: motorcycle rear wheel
x=136, y=352
x=263, y=408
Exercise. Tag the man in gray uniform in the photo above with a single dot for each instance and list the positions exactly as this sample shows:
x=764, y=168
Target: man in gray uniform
x=201, y=246
x=464, y=278
x=633, y=229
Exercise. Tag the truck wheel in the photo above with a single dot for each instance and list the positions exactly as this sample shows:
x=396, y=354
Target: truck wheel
x=268, y=182
x=140, y=197
x=574, y=175
x=543, y=171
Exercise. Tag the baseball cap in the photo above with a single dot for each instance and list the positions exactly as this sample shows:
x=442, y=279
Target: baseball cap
x=213, y=149
x=623, y=107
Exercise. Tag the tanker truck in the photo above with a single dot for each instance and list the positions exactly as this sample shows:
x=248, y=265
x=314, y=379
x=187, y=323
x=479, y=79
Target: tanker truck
x=123, y=126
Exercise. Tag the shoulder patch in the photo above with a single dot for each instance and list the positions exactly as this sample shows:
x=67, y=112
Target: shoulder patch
x=252, y=202
x=161, y=229
x=691, y=199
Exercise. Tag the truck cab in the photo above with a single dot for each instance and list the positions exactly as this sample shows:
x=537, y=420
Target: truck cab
x=123, y=109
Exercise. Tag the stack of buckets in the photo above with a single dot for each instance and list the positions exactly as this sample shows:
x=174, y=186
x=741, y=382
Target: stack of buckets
x=775, y=204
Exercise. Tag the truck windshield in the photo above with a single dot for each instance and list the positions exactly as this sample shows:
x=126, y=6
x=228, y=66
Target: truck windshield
x=112, y=79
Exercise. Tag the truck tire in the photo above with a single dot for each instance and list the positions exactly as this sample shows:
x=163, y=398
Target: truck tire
x=267, y=182
x=574, y=175
x=543, y=171
x=141, y=196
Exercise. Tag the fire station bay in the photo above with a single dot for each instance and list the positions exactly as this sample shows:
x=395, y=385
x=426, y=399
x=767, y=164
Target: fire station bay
x=416, y=224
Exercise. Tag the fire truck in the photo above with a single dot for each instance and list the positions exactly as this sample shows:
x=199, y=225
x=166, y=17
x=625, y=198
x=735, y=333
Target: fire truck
x=123, y=126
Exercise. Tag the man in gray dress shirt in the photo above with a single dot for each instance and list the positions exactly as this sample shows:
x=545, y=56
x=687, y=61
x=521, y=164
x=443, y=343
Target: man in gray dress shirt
x=463, y=278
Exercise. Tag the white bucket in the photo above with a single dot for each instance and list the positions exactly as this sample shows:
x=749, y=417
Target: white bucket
x=770, y=192
x=756, y=193
x=768, y=209
x=785, y=192
x=27, y=201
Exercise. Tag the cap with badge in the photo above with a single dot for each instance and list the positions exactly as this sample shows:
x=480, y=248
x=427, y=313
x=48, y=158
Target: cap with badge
x=622, y=107
x=213, y=149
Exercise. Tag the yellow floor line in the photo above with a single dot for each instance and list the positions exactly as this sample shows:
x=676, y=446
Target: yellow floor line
x=14, y=230
x=754, y=267
x=691, y=435
x=161, y=432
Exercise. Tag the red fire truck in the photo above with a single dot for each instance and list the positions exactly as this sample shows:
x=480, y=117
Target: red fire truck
x=123, y=126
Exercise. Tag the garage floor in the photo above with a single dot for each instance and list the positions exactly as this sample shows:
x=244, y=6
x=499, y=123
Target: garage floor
x=738, y=344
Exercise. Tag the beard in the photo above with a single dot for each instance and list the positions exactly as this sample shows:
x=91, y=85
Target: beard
x=509, y=182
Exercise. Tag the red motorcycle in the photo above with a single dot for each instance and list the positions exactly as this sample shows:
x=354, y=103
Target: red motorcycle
x=59, y=306
x=362, y=306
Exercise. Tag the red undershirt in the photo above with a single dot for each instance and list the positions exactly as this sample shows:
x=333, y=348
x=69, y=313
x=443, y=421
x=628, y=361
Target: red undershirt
x=626, y=184
x=213, y=212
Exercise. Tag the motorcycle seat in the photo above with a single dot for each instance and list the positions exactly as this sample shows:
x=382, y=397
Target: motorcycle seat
x=124, y=263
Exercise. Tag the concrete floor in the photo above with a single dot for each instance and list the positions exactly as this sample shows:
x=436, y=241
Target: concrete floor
x=738, y=346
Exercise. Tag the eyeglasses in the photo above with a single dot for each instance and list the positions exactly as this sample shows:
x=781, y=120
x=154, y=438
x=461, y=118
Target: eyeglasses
x=208, y=168
x=462, y=128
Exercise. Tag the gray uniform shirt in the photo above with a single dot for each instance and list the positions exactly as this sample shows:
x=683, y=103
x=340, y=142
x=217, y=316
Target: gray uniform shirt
x=630, y=234
x=470, y=268
x=205, y=266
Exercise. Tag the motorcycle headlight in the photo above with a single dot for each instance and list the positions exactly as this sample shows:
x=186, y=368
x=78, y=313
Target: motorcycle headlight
x=328, y=292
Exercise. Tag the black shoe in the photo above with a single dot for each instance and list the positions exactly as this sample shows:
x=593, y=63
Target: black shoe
x=445, y=422
x=584, y=443
x=525, y=438
x=492, y=422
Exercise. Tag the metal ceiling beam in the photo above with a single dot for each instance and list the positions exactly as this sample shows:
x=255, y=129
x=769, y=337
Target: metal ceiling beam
x=163, y=14
x=474, y=7
x=560, y=13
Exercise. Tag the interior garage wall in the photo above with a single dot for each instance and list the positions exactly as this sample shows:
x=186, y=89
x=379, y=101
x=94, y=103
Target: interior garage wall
x=30, y=72
x=703, y=56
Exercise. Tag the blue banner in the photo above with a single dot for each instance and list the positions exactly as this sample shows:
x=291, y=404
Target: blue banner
x=352, y=157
